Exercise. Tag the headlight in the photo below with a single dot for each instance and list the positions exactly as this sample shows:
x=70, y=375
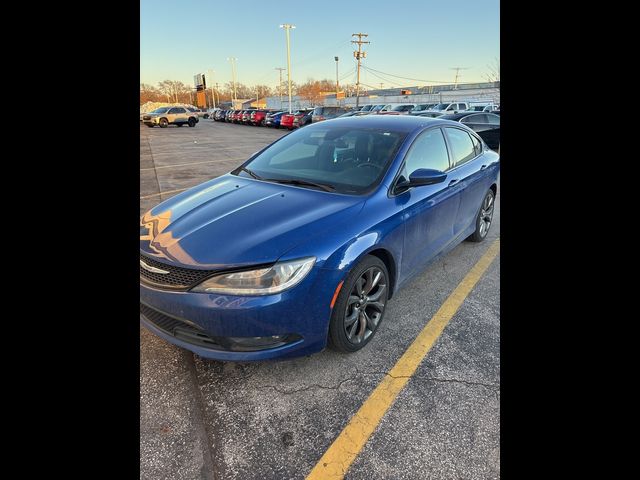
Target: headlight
x=265, y=281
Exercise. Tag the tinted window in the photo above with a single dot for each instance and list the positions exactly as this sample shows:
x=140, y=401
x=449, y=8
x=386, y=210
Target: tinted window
x=173, y=110
x=461, y=145
x=161, y=110
x=179, y=110
x=479, y=118
x=428, y=151
x=493, y=119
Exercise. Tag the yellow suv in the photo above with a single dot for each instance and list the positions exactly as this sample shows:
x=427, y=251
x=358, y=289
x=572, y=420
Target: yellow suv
x=165, y=116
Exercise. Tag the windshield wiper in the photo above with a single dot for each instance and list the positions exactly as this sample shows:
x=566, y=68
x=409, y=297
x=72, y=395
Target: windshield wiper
x=252, y=173
x=293, y=181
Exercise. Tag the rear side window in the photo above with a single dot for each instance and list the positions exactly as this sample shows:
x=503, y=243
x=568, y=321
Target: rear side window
x=461, y=146
x=428, y=151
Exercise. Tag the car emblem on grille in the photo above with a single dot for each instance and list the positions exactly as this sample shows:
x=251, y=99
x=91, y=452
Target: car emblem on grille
x=152, y=269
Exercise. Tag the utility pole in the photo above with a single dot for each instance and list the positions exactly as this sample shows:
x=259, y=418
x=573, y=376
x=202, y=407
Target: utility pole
x=359, y=56
x=280, y=69
x=381, y=84
x=287, y=27
x=337, y=80
x=457, y=69
x=233, y=76
x=213, y=95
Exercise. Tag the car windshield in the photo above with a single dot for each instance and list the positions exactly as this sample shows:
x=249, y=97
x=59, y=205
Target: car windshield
x=401, y=108
x=345, y=159
x=441, y=106
x=419, y=108
x=161, y=110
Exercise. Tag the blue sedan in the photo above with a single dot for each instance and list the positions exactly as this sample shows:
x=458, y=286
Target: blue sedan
x=305, y=243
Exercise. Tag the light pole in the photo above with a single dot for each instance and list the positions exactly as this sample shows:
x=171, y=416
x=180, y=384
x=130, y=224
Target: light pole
x=287, y=27
x=337, y=81
x=233, y=76
x=213, y=95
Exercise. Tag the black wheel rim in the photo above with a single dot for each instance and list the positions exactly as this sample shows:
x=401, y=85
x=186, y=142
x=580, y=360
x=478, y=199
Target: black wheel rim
x=486, y=215
x=365, y=305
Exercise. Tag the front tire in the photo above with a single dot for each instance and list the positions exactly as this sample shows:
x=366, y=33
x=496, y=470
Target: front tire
x=164, y=123
x=360, y=306
x=484, y=218
x=191, y=122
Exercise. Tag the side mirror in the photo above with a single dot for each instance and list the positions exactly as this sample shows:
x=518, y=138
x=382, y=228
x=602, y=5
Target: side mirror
x=424, y=176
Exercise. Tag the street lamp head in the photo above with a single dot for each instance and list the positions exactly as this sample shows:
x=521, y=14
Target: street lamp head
x=336, y=58
x=287, y=25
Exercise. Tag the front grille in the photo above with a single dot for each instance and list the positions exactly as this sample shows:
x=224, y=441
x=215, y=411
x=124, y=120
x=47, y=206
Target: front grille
x=178, y=278
x=178, y=328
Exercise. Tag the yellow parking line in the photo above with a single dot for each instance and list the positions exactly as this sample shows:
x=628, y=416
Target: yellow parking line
x=344, y=450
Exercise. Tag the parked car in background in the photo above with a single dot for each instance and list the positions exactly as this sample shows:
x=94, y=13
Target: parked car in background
x=402, y=109
x=273, y=119
x=196, y=111
x=237, y=116
x=219, y=115
x=451, y=107
x=376, y=108
x=258, y=117
x=246, y=116
x=421, y=107
x=327, y=113
x=486, y=125
x=286, y=121
x=481, y=107
x=366, y=108
x=165, y=116
x=305, y=244
x=428, y=114
x=301, y=121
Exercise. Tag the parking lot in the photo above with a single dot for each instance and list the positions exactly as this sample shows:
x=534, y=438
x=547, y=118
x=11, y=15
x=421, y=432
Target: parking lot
x=275, y=420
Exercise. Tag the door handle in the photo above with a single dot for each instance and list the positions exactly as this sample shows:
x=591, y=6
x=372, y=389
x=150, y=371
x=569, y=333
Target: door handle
x=483, y=167
x=453, y=182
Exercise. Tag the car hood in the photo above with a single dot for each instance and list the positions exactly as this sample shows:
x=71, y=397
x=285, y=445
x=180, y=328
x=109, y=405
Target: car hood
x=232, y=222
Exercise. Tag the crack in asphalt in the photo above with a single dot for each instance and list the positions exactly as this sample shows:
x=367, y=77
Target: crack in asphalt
x=468, y=383
x=208, y=471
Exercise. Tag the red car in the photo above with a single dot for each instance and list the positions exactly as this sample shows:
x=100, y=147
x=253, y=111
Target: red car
x=258, y=117
x=287, y=119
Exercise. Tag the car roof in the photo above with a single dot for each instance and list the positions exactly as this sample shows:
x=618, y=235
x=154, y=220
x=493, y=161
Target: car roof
x=404, y=123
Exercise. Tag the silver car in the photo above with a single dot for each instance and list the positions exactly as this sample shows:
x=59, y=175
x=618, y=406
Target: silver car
x=165, y=116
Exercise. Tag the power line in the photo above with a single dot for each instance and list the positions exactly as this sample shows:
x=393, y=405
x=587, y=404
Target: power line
x=415, y=79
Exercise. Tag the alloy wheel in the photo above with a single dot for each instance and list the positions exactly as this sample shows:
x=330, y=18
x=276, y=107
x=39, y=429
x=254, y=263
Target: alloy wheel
x=486, y=214
x=365, y=305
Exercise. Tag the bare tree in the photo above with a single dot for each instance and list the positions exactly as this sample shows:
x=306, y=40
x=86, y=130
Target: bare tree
x=493, y=68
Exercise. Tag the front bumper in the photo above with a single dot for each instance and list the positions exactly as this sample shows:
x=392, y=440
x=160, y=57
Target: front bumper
x=303, y=311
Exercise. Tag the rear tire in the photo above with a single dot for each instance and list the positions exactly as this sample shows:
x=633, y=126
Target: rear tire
x=356, y=316
x=484, y=219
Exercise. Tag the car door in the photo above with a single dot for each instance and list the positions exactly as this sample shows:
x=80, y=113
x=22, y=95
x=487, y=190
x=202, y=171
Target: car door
x=172, y=114
x=430, y=210
x=469, y=166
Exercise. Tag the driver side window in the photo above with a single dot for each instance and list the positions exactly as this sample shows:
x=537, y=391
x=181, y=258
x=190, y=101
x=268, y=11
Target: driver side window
x=429, y=150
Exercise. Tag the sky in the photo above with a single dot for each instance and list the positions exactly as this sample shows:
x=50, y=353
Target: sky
x=418, y=39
